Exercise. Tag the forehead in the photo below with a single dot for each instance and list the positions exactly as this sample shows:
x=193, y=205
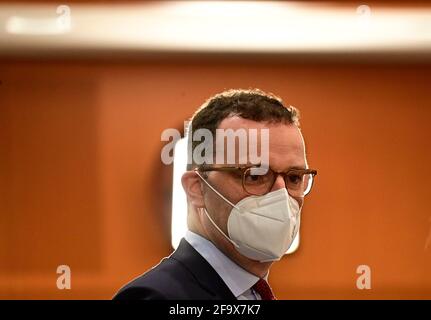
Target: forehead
x=286, y=144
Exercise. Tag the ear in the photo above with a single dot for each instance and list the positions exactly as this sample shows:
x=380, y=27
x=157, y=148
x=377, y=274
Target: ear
x=192, y=186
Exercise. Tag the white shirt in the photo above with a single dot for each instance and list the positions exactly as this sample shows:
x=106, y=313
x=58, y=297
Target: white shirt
x=237, y=279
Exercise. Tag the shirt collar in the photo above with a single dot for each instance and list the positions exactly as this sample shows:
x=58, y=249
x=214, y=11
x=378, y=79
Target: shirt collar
x=236, y=278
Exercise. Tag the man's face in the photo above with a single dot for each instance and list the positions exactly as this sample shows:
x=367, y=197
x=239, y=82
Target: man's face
x=286, y=150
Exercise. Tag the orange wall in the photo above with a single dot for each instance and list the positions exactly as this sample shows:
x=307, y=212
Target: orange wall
x=81, y=176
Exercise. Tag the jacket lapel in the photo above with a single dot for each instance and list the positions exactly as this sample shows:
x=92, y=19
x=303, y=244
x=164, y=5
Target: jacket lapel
x=202, y=270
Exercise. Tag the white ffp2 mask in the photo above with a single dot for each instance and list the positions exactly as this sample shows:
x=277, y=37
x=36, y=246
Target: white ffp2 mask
x=262, y=228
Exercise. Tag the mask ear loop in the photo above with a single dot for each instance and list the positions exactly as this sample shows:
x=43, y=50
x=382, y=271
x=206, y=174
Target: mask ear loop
x=218, y=228
x=208, y=216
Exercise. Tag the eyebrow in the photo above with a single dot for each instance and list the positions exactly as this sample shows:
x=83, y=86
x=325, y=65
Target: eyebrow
x=297, y=168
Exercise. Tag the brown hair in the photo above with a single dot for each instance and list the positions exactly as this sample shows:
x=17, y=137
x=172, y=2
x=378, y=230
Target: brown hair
x=252, y=104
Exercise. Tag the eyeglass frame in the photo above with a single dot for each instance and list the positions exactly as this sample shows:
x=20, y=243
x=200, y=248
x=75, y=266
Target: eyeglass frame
x=243, y=169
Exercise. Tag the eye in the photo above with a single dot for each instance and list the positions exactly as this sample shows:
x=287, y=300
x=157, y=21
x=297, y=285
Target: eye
x=253, y=178
x=294, y=178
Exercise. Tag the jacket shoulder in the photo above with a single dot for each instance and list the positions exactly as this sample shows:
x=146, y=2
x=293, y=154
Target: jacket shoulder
x=167, y=280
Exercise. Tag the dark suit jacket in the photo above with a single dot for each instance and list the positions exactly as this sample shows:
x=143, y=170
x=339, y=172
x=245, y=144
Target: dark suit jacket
x=185, y=274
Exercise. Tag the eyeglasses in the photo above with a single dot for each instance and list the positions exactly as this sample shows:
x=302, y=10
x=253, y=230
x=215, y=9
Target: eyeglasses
x=298, y=181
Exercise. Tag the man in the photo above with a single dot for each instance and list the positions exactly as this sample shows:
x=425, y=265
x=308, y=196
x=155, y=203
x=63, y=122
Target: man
x=240, y=221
